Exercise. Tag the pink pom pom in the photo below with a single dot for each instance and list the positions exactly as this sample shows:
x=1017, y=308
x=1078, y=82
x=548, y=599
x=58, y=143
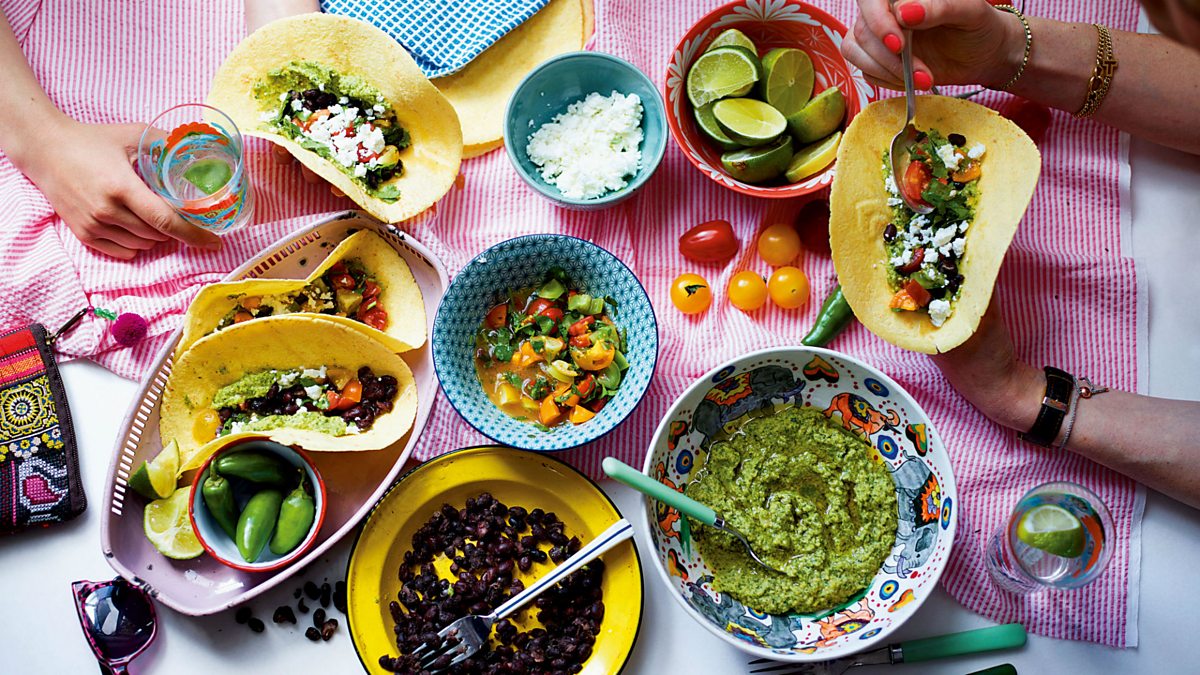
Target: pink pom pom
x=129, y=329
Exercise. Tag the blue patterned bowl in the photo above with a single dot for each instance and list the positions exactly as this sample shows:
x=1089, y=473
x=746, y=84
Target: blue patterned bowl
x=863, y=400
x=523, y=262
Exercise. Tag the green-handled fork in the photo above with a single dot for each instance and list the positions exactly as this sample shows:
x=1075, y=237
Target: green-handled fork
x=1008, y=636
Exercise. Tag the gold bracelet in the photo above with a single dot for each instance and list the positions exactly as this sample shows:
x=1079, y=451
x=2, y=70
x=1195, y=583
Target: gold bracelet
x=1102, y=74
x=1028, y=44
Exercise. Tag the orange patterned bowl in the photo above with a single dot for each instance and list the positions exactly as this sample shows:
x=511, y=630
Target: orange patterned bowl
x=770, y=24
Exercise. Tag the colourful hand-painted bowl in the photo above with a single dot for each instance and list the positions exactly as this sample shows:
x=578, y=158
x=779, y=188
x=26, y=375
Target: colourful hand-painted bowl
x=769, y=24
x=218, y=544
x=563, y=80
x=523, y=262
x=863, y=400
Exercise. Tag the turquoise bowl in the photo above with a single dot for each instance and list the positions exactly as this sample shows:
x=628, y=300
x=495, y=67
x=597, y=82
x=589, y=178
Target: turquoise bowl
x=523, y=262
x=559, y=82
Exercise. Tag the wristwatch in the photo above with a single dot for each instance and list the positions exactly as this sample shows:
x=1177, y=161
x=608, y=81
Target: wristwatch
x=1055, y=404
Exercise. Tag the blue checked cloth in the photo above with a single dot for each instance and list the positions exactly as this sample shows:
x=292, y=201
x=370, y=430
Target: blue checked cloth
x=442, y=35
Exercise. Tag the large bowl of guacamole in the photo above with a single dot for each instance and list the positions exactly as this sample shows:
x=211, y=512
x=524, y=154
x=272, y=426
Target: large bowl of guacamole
x=838, y=479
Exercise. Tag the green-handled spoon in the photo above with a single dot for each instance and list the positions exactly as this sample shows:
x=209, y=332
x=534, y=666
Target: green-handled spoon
x=623, y=473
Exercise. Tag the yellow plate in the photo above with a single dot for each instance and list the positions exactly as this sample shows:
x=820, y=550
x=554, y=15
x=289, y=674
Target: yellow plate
x=517, y=478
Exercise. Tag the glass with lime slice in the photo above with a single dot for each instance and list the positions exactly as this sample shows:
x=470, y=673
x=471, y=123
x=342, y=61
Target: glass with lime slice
x=722, y=72
x=168, y=527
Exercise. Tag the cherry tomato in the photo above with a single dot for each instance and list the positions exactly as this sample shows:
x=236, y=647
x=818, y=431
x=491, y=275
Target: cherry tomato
x=375, y=318
x=916, y=179
x=581, y=326
x=813, y=224
x=582, y=341
x=207, y=424
x=1033, y=118
x=788, y=287
x=585, y=386
x=690, y=293
x=917, y=292
x=713, y=241
x=554, y=314
x=914, y=264
x=538, y=306
x=747, y=291
x=344, y=282
x=370, y=290
x=496, y=316
x=779, y=244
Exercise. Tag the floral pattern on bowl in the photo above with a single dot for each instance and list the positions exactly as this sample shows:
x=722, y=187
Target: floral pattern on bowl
x=863, y=400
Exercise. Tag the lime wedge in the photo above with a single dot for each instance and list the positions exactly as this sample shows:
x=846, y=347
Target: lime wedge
x=156, y=479
x=709, y=127
x=208, y=175
x=724, y=71
x=732, y=38
x=749, y=121
x=1052, y=529
x=167, y=526
x=787, y=80
x=755, y=165
x=819, y=117
x=812, y=158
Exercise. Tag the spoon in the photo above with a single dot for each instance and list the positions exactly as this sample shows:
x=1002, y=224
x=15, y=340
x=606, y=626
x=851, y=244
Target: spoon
x=904, y=141
x=623, y=473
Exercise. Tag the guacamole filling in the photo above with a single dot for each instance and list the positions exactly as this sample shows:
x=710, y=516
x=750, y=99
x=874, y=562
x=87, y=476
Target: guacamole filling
x=811, y=502
x=345, y=290
x=925, y=251
x=341, y=118
x=330, y=400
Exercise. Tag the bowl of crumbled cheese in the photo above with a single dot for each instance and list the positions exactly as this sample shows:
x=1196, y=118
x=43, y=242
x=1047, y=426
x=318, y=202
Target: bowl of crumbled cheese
x=586, y=130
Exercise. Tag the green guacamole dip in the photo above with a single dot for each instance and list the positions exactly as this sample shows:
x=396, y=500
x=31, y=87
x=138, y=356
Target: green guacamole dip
x=312, y=421
x=812, y=503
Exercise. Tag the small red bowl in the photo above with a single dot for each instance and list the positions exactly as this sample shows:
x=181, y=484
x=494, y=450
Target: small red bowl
x=789, y=23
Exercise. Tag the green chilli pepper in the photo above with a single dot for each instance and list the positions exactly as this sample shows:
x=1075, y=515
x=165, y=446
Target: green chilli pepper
x=835, y=315
x=295, y=519
x=257, y=521
x=255, y=467
x=218, y=497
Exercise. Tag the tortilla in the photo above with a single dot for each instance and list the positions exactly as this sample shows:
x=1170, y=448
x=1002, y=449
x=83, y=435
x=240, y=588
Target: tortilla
x=858, y=213
x=280, y=343
x=350, y=46
x=480, y=91
x=400, y=296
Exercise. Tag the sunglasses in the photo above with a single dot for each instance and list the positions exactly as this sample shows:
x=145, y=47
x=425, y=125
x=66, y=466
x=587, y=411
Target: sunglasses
x=118, y=621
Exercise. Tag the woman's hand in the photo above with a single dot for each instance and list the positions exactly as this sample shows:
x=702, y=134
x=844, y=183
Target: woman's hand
x=954, y=42
x=90, y=181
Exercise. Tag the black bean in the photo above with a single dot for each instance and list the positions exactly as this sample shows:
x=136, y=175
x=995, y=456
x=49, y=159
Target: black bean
x=326, y=595
x=318, y=617
x=297, y=593
x=284, y=613
x=957, y=140
x=889, y=232
x=242, y=615
x=302, y=607
x=328, y=629
x=312, y=634
x=311, y=590
x=256, y=625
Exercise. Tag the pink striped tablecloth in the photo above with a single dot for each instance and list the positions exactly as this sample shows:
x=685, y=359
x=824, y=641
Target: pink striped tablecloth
x=1067, y=289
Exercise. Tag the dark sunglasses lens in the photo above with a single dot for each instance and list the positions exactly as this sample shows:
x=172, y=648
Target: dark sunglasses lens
x=119, y=618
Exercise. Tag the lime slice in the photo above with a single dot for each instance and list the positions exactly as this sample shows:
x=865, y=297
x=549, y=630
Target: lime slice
x=709, y=127
x=167, y=526
x=1052, y=529
x=819, y=117
x=156, y=479
x=208, y=175
x=749, y=121
x=787, y=80
x=724, y=71
x=813, y=158
x=732, y=38
x=756, y=165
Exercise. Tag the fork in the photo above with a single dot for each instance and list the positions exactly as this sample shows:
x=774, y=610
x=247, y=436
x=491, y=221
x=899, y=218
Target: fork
x=467, y=635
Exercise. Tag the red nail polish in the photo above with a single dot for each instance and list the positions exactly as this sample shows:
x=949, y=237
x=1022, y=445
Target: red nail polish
x=912, y=13
x=922, y=80
x=892, y=42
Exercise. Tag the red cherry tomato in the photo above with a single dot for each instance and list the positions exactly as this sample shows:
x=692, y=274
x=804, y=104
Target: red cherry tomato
x=581, y=326
x=916, y=179
x=813, y=225
x=713, y=241
x=343, y=282
x=496, y=316
x=553, y=313
x=917, y=292
x=1033, y=118
x=370, y=290
x=914, y=264
x=582, y=341
x=375, y=318
x=538, y=306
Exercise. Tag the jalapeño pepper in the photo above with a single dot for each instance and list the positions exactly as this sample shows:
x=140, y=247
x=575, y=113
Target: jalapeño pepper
x=295, y=519
x=255, y=467
x=218, y=497
x=834, y=316
x=257, y=521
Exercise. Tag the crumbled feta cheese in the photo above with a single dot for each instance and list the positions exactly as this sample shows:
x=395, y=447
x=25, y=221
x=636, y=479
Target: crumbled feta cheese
x=976, y=151
x=335, y=109
x=902, y=259
x=945, y=251
x=939, y=311
x=962, y=227
x=890, y=182
x=593, y=147
x=235, y=427
x=283, y=96
x=959, y=246
x=287, y=379
x=948, y=156
x=360, y=171
x=378, y=108
x=894, y=201
x=931, y=256
x=944, y=236
x=352, y=428
x=953, y=193
x=313, y=391
x=919, y=221
x=297, y=105
x=316, y=374
x=343, y=100
x=321, y=86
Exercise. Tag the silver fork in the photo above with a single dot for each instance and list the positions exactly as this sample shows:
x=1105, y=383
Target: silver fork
x=467, y=635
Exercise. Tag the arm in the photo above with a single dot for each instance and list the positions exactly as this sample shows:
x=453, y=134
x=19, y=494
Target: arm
x=84, y=170
x=969, y=42
x=261, y=12
x=1152, y=440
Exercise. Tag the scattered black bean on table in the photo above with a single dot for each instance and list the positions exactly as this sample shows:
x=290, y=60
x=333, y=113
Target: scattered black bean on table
x=328, y=629
x=242, y=615
x=339, y=596
x=318, y=617
x=311, y=590
x=487, y=543
x=284, y=614
x=256, y=625
x=312, y=634
x=302, y=607
x=326, y=595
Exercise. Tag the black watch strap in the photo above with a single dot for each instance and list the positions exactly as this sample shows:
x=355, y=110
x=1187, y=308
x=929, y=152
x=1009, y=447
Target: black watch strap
x=1055, y=404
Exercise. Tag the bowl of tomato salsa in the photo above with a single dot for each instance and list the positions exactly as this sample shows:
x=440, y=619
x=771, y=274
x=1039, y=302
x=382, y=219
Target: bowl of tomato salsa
x=545, y=342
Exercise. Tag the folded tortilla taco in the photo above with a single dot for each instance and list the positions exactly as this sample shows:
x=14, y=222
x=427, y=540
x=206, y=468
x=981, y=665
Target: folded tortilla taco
x=923, y=281
x=293, y=379
x=348, y=102
x=363, y=284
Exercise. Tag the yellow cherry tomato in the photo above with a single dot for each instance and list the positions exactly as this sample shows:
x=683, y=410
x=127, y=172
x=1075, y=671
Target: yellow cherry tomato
x=207, y=424
x=747, y=291
x=690, y=293
x=789, y=287
x=779, y=244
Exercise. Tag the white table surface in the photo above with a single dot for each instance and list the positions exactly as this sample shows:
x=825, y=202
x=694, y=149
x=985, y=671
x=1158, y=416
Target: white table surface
x=39, y=632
